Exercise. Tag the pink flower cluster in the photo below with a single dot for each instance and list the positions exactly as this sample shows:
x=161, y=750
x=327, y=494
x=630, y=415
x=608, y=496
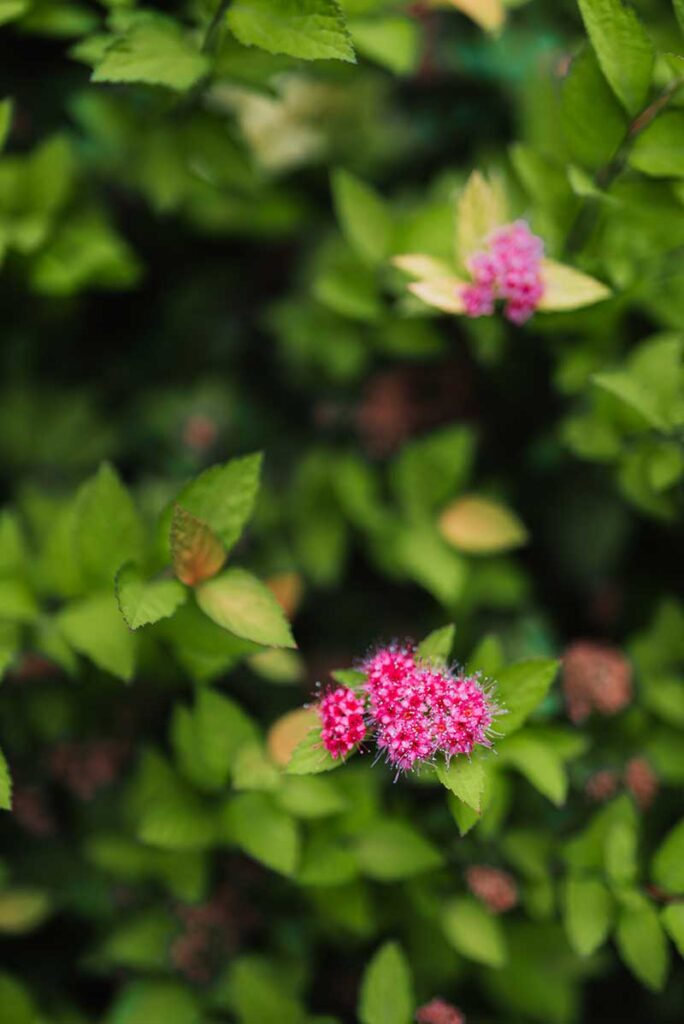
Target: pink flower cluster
x=342, y=717
x=510, y=270
x=413, y=711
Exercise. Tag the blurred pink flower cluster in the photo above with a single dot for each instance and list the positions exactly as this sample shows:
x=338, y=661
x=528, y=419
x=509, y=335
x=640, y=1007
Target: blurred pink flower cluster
x=508, y=269
x=412, y=711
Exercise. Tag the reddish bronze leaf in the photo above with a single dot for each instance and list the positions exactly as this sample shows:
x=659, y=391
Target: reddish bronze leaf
x=196, y=551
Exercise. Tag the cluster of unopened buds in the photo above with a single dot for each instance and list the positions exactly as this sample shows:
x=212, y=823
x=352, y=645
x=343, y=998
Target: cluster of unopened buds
x=410, y=709
x=437, y=1011
x=510, y=270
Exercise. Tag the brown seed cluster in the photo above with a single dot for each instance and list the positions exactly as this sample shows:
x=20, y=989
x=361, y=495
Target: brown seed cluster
x=602, y=785
x=437, y=1011
x=31, y=811
x=209, y=934
x=596, y=677
x=84, y=768
x=495, y=888
x=641, y=781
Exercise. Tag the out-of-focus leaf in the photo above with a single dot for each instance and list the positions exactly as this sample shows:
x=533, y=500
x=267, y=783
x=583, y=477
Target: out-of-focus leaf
x=386, y=995
x=481, y=526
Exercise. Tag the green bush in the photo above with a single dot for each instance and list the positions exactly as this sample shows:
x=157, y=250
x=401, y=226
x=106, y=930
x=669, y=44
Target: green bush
x=235, y=227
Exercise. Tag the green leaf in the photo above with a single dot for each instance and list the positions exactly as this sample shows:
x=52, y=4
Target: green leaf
x=390, y=850
x=17, y=1005
x=154, y=51
x=240, y=603
x=392, y=41
x=673, y=920
x=620, y=852
x=17, y=603
x=155, y=1002
x=142, y=601
x=310, y=797
x=520, y=689
x=221, y=729
x=203, y=648
x=465, y=779
x=169, y=814
x=263, y=831
x=310, y=756
x=474, y=933
x=10, y=10
x=93, y=626
x=623, y=48
x=259, y=992
x=538, y=762
x=108, y=529
x=480, y=526
x=223, y=497
x=386, y=995
x=6, y=113
x=310, y=29
x=588, y=913
x=482, y=208
x=22, y=910
x=668, y=863
x=567, y=288
x=679, y=12
x=428, y=471
x=642, y=945
x=437, y=646
x=657, y=150
x=650, y=382
x=363, y=216
x=594, y=123
x=5, y=785
x=487, y=657
x=141, y=943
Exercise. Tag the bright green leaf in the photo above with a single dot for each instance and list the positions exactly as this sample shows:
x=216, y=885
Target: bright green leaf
x=390, y=850
x=142, y=601
x=386, y=995
x=155, y=51
x=474, y=932
x=668, y=863
x=643, y=946
x=437, y=646
x=94, y=627
x=263, y=831
x=623, y=48
x=363, y=215
x=310, y=29
x=465, y=779
x=520, y=689
x=588, y=913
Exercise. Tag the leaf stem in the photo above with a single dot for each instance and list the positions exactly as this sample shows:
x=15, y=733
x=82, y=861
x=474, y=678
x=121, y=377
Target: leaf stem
x=605, y=176
x=214, y=26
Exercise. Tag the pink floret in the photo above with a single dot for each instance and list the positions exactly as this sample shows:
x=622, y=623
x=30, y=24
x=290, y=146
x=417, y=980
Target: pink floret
x=509, y=270
x=342, y=718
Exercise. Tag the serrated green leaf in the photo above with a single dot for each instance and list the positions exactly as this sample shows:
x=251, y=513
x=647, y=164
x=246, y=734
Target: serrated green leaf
x=309, y=29
x=538, y=762
x=310, y=756
x=623, y=48
x=242, y=604
x=364, y=217
x=222, y=496
x=474, y=933
x=465, y=779
x=155, y=51
x=386, y=995
x=107, y=528
x=588, y=912
x=437, y=646
x=145, y=601
x=520, y=688
x=94, y=627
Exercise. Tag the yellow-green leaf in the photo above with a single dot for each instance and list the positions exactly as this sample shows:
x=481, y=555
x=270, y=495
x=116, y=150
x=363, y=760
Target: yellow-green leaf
x=443, y=293
x=567, y=288
x=240, y=603
x=482, y=208
x=480, y=526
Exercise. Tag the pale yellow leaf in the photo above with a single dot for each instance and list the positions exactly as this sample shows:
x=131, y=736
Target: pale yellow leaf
x=480, y=526
x=567, y=288
x=422, y=267
x=482, y=208
x=488, y=14
x=443, y=293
